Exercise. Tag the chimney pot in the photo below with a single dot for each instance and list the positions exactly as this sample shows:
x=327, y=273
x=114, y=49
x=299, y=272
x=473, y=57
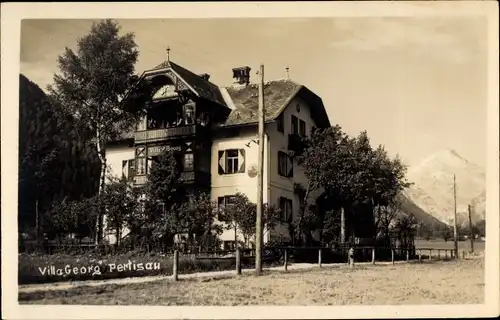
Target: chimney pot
x=241, y=75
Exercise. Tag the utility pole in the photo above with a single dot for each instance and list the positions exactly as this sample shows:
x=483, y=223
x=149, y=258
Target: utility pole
x=455, y=231
x=260, y=178
x=471, y=231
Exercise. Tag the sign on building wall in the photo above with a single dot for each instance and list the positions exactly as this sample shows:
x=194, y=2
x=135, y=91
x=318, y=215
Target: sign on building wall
x=161, y=149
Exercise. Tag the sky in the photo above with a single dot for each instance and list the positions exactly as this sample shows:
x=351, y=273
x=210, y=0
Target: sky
x=417, y=85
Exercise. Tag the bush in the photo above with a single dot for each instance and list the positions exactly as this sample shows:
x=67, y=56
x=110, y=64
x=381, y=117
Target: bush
x=37, y=268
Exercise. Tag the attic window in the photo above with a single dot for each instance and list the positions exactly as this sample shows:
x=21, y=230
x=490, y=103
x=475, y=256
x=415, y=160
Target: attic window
x=298, y=107
x=280, y=123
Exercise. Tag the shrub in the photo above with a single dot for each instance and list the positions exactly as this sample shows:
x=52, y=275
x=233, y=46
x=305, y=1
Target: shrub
x=36, y=268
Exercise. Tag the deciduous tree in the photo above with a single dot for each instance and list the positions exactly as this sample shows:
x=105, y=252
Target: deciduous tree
x=354, y=175
x=121, y=204
x=92, y=83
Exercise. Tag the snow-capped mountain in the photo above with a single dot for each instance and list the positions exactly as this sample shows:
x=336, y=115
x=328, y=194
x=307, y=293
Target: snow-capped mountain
x=433, y=187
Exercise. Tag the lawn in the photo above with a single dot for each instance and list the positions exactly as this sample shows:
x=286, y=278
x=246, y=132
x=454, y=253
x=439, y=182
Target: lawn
x=441, y=244
x=438, y=282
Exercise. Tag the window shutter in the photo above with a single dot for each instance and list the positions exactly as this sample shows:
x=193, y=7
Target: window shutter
x=124, y=166
x=222, y=162
x=282, y=206
x=242, y=161
x=279, y=163
x=131, y=169
x=289, y=161
x=149, y=163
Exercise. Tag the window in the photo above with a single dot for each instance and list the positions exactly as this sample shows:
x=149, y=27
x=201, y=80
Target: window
x=188, y=162
x=141, y=166
x=302, y=128
x=280, y=123
x=189, y=114
x=285, y=165
x=141, y=124
x=285, y=206
x=295, y=125
x=231, y=161
x=225, y=202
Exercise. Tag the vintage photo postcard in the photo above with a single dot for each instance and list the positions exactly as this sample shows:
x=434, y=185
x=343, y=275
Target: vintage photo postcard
x=250, y=160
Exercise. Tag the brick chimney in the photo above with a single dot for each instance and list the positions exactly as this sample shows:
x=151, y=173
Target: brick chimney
x=241, y=76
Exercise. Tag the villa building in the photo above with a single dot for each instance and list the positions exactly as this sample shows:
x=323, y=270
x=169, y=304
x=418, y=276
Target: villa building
x=214, y=132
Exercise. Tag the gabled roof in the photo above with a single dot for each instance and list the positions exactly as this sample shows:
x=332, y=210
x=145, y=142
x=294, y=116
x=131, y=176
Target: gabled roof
x=204, y=88
x=277, y=95
x=244, y=101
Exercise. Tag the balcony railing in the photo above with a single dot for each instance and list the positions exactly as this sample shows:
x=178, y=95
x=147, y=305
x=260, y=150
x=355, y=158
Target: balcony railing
x=186, y=177
x=164, y=134
x=295, y=143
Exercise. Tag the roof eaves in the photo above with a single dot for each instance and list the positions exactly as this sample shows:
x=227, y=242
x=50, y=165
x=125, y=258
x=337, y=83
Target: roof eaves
x=244, y=124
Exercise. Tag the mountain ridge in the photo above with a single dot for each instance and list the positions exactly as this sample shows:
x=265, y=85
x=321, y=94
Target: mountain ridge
x=433, y=187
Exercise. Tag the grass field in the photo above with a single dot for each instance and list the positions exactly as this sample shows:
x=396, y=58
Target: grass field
x=441, y=244
x=439, y=282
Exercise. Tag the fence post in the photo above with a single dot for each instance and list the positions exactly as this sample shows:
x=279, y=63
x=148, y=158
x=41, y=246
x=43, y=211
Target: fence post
x=286, y=260
x=439, y=254
x=175, y=266
x=445, y=254
x=419, y=255
x=373, y=255
x=351, y=257
x=392, y=256
x=319, y=257
x=407, y=255
x=430, y=254
x=238, y=261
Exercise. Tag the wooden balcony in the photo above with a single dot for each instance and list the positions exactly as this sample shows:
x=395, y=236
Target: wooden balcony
x=197, y=177
x=189, y=177
x=295, y=143
x=165, y=134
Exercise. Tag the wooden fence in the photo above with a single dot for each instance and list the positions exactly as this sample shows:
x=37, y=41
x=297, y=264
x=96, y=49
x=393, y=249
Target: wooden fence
x=396, y=254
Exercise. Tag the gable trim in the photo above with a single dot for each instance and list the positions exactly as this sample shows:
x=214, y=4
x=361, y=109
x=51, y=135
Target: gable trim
x=162, y=71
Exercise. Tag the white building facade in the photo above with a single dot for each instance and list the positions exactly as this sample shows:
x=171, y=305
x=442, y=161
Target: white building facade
x=214, y=132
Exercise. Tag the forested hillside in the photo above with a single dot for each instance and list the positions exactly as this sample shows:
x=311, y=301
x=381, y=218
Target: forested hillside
x=55, y=162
